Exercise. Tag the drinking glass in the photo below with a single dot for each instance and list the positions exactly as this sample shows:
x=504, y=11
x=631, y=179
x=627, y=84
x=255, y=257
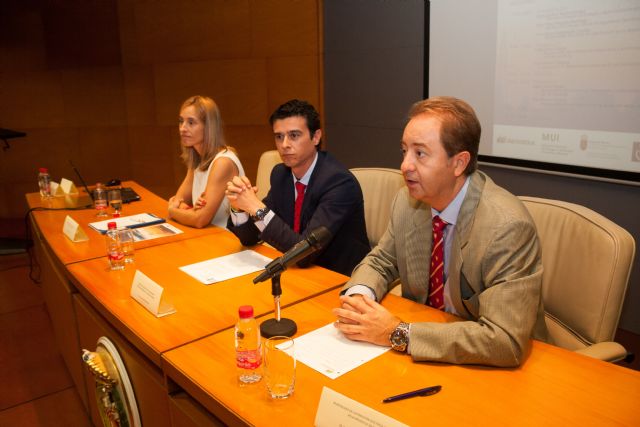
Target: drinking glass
x=126, y=242
x=100, y=201
x=279, y=367
x=115, y=202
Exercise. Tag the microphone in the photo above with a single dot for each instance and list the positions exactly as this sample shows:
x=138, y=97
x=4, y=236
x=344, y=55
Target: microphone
x=315, y=241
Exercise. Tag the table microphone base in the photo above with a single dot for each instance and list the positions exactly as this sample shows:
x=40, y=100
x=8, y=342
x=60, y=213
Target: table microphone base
x=272, y=327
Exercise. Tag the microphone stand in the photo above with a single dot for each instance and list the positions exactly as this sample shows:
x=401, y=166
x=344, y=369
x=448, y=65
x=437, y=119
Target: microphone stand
x=278, y=326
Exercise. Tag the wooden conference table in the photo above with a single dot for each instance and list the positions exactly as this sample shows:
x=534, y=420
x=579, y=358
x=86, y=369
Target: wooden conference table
x=552, y=387
x=87, y=300
x=48, y=223
x=182, y=365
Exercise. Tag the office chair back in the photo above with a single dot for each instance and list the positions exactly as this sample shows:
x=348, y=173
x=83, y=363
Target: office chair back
x=379, y=187
x=587, y=260
x=268, y=160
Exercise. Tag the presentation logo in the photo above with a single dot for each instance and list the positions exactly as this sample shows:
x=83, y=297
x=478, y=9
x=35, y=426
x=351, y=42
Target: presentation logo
x=584, y=142
x=551, y=136
x=635, y=153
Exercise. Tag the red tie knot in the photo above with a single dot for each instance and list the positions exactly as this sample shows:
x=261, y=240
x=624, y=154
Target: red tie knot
x=300, y=187
x=438, y=224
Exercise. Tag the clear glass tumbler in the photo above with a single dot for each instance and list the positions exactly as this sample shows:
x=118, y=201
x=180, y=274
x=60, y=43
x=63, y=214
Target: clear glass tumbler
x=279, y=367
x=126, y=243
x=115, y=202
x=100, y=200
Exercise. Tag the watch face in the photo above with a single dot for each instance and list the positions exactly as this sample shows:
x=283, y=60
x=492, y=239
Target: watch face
x=260, y=214
x=399, y=338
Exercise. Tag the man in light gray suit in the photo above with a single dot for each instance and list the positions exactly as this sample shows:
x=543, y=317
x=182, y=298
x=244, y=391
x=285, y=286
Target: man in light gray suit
x=492, y=270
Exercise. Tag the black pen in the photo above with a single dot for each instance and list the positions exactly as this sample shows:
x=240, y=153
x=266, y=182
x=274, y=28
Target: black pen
x=422, y=392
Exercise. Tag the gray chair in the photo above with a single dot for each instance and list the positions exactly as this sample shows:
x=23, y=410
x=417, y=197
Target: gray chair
x=587, y=260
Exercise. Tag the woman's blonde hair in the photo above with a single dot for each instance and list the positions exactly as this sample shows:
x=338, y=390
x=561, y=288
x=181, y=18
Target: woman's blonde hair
x=208, y=112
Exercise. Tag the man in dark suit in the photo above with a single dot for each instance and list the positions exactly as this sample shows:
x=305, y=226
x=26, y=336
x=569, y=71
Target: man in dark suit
x=309, y=189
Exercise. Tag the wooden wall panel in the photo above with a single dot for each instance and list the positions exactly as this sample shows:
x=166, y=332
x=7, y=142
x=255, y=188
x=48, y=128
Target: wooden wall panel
x=289, y=77
x=139, y=95
x=89, y=80
x=284, y=27
x=239, y=87
x=93, y=97
x=43, y=147
x=31, y=99
x=81, y=33
x=250, y=142
x=175, y=31
x=153, y=151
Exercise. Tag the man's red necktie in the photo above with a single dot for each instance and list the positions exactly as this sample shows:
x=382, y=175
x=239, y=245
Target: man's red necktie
x=436, y=277
x=300, y=187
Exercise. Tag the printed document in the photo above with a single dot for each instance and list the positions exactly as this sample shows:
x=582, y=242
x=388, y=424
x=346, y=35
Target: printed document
x=329, y=352
x=131, y=221
x=227, y=267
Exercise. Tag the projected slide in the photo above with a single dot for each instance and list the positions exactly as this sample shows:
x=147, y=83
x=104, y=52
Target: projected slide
x=567, y=83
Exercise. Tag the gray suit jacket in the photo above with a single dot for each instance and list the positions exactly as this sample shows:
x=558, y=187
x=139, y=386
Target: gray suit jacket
x=494, y=277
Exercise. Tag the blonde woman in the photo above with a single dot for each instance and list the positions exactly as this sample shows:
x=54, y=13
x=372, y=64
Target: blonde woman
x=200, y=200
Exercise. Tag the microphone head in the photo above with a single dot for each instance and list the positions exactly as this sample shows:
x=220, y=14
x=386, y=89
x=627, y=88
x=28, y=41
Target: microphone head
x=319, y=237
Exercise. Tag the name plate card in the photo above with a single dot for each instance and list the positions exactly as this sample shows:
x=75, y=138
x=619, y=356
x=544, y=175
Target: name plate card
x=73, y=231
x=336, y=410
x=149, y=294
x=68, y=187
x=56, y=189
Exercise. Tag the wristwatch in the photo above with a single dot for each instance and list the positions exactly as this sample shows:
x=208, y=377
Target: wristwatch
x=399, y=337
x=260, y=214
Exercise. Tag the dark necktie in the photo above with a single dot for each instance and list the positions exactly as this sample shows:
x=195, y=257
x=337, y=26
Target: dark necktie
x=436, y=277
x=300, y=187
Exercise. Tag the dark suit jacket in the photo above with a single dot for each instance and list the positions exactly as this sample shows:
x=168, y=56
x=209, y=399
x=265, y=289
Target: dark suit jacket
x=333, y=198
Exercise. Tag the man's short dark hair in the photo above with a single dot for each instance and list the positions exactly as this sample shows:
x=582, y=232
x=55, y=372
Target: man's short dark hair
x=295, y=108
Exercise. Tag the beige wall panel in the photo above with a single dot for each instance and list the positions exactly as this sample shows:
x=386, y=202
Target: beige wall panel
x=293, y=77
x=239, y=87
x=193, y=30
x=31, y=99
x=250, y=142
x=284, y=27
x=94, y=96
x=139, y=95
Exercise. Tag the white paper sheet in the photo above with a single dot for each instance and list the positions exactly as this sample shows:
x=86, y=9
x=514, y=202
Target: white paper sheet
x=226, y=267
x=329, y=352
x=131, y=221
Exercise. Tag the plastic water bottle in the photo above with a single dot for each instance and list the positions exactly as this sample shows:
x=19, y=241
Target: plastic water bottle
x=100, y=200
x=248, y=351
x=114, y=248
x=44, y=182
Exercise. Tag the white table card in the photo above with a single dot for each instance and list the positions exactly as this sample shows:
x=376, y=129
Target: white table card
x=73, y=231
x=56, y=189
x=336, y=410
x=149, y=294
x=68, y=187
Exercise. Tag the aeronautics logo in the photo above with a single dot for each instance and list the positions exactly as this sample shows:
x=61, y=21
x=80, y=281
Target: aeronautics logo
x=635, y=153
